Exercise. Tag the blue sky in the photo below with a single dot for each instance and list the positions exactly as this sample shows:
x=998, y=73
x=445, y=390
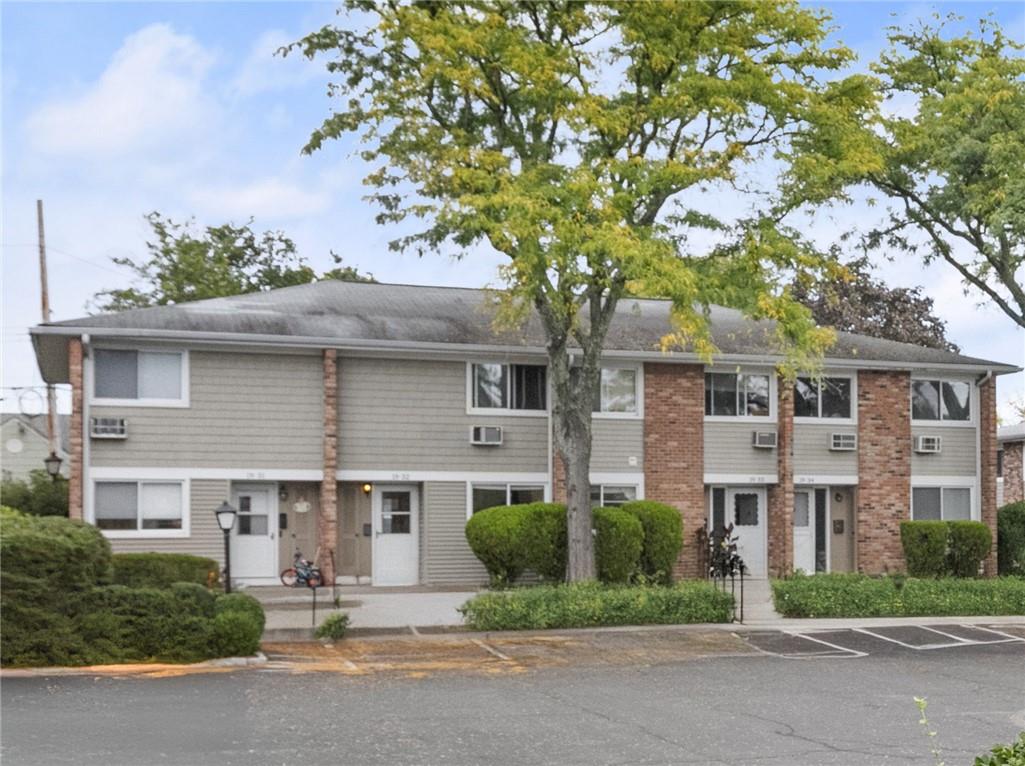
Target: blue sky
x=111, y=110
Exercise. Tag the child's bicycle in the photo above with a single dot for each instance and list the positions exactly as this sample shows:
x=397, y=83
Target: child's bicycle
x=302, y=573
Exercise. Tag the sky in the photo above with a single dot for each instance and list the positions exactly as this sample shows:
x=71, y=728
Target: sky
x=113, y=110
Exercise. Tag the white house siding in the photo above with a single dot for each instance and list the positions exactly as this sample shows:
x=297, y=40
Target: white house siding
x=245, y=411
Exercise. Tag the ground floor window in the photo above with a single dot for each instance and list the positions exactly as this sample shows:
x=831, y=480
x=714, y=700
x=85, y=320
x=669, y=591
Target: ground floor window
x=491, y=495
x=605, y=495
x=133, y=506
x=941, y=503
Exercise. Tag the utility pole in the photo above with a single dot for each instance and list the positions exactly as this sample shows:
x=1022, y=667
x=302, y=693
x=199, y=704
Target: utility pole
x=51, y=395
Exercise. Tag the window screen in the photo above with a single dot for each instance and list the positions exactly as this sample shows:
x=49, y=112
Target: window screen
x=957, y=504
x=116, y=374
x=160, y=375
x=925, y=503
x=161, y=505
x=116, y=504
x=801, y=515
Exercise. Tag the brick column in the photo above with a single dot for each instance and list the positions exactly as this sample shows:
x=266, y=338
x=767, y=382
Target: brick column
x=558, y=470
x=76, y=475
x=988, y=466
x=327, y=527
x=781, y=495
x=884, y=469
x=1014, y=481
x=674, y=450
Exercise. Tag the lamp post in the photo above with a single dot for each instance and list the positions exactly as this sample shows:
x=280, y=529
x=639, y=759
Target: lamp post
x=53, y=465
x=226, y=520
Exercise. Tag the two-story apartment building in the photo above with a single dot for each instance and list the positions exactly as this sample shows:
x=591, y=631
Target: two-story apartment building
x=369, y=421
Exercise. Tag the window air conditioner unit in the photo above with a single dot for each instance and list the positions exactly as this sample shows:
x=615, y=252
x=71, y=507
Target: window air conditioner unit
x=843, y=442
x=489, y=436
x=764, y=439
x=108, y=428
x=928, y=444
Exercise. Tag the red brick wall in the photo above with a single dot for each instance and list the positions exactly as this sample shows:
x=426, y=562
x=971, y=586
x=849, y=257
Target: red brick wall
x=75, y=473
x=558, y=472
x=781, y=495
x=674, y=462
x=988, y=465
x=1014, y=482
x=327, y=528
x=884, y=469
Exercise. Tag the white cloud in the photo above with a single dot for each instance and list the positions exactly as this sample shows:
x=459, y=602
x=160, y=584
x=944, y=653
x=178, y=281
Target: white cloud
x=264, y=70
x=264, y=198
x=150, y=95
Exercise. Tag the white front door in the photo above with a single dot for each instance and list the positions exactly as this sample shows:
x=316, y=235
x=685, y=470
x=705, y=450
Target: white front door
x=254, y=545
x=804, y=531
x=396, y=535
x=746, y=511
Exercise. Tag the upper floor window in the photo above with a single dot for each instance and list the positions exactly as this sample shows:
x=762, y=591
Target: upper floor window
x=618, y=390
x=822, y=398
x=940, y=400
x=737, y=394
x=510, y=387
x=143, y=376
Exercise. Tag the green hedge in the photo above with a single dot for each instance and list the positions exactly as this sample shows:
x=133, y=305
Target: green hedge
x=160, y=570
x=855, y=595
x=969, y=542
x=618, y=542
x=663, y=538
x=584, y=605
x=940, y=548
x=39, y=496
x=1011, y=539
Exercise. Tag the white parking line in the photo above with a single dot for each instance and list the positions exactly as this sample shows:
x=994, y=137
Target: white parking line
x=491, y=650
x=853, y=653
x=1008, y=636
x=907, y=645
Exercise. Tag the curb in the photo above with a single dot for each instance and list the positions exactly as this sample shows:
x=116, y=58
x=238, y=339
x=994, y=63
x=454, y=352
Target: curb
x=135, y=668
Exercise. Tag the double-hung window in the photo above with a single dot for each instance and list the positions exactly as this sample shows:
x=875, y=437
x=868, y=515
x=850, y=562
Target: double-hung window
x=606, y=495
x=139, y=377
x=155, y=507
x=491, y=495
x=941, y=503
x=509, y=387
x=732, y=394
x=823, y=398
x=941, y=400
x=618, y=391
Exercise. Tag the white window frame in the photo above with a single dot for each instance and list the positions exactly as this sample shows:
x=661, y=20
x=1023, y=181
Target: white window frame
x=115, y=534
x=773, y=395
x=638, y=413
x=505, y=411
x=973, y=402
x=819, y=420
x=181, y=402
x=621, y=485
x=509, y=486
x=947, y=482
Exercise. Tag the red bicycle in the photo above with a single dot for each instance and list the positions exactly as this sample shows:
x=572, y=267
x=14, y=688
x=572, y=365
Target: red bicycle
x=302, y=573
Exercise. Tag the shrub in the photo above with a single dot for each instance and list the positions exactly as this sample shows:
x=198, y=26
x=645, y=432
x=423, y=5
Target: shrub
x=497, y=537
x=161, y=570
x=583, y=605
x=925, y=547
x=334, y=627
x=236, y=633
x=855, y=595
x=545, y=540
x=618, y=542
x=241, y=602
x=663, y=538
x=1004, y=755
x=197, y=598
x=1011, y=539
x=969, y=542
x=39, y=496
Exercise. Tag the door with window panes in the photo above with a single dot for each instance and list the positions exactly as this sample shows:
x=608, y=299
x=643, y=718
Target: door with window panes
x=254, y=548
x=744, y=508
x=396, y=550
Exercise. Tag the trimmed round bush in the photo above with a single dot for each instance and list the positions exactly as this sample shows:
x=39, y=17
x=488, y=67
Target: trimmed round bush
x=236, y=633
x=545, y=540
x=498, y=536
x=194, y=597
x=161, y=570
x=969, y=542
x=618, y=542
x=241, y=602
x=925, y=547
x=663, y=538
x=1011, y=539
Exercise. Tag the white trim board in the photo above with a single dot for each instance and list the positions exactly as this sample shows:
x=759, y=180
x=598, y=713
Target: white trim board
x=806, y=479
x=350, y=474
x=227, y=474
x=740, y=478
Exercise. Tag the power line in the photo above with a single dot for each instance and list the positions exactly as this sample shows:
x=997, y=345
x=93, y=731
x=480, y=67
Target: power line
x=69, y=255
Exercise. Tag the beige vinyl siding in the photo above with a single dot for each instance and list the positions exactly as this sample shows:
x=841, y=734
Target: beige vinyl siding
x=812, y=454
x=205, y=537
x=957, y=455
x=245, y=411
x=728, y=448
x=614, y=442
x=445, y=556
x=408, y=415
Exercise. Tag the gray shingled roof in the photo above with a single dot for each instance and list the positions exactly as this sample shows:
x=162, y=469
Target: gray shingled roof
x=408, y=314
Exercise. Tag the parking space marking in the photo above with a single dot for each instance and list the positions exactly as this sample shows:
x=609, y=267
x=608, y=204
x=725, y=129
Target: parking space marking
x=491, y=650
x=904, y=643
x=847, y=653
x=958, y=640
x=1008, y=636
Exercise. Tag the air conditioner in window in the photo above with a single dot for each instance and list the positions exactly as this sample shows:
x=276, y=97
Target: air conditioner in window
x=489, y=436
x=764, y=439
x=843, y=442
x=928, y=444
x=108, y=428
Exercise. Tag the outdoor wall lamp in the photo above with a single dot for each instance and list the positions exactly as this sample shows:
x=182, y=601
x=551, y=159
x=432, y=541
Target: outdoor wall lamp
x=226, y=520
x=367, y=487
x=53, y=465
x=283, y=493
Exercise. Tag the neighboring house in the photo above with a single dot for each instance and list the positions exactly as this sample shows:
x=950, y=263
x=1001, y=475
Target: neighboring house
x=367, y=422
x=24, y=444
x=1011, y=464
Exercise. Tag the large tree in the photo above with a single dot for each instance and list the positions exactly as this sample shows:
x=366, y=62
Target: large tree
x=953, y=155
x=576, y=139
x=186, y=264
x=855, y=300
